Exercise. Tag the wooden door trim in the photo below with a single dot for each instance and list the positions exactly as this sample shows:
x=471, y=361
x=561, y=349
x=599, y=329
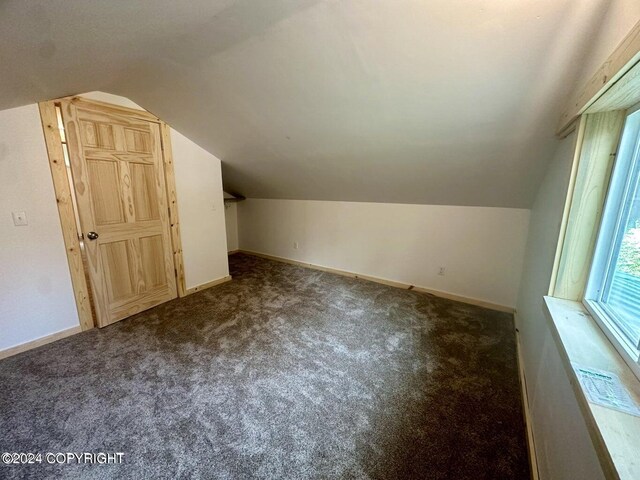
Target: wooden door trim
x=66, y=213
x=172, y=200
x=109, y=108
x=64, y=202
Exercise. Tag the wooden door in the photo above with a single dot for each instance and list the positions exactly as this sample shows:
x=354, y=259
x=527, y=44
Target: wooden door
x=117, y=167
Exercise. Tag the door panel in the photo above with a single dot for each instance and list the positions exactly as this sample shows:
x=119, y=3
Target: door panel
x=118, y=174
x=145, y=196
x=119, y=266
x=105, y=196
x=153, y=272
x=137, y=140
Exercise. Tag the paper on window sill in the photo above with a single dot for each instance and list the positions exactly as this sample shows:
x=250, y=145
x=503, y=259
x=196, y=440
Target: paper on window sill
x=605, y=389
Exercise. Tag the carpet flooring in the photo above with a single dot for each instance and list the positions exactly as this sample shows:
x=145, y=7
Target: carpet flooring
x=284, y=372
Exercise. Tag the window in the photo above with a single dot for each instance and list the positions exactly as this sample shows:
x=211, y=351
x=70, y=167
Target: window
x=613, y=289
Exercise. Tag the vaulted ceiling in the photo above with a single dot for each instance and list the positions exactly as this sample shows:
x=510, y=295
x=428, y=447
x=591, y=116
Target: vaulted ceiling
x=435, y=102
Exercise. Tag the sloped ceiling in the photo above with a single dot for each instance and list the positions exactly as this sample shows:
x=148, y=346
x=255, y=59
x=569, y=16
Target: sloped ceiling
x=435, y=102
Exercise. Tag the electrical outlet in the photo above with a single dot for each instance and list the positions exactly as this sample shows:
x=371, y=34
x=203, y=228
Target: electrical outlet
x=441, y=271
x=295, y=245
x=19, y=219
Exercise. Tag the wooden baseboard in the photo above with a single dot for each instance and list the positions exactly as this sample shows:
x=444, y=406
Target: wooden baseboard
x=210, y=284
x=384, y=281
x=531, y=445
x=231, y=252
x=38, y=342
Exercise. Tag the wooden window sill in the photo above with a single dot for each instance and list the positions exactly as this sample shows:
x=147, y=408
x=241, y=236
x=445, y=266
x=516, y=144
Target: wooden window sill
x=615, y=435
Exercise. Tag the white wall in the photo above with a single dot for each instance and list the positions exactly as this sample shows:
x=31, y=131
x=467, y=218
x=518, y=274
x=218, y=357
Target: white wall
x=231, y=220
x=201, y=210
x=36, y=297
x=481, y=248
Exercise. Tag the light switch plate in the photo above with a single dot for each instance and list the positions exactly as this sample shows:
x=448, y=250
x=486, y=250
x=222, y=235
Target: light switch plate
x=19, y=219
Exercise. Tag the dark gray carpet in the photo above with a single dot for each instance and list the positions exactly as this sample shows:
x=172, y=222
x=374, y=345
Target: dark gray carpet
x=283, y=373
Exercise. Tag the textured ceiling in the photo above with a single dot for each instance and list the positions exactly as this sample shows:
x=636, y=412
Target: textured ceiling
x=435, y=102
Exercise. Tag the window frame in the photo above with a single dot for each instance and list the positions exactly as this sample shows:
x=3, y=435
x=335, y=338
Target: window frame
x=606, y=252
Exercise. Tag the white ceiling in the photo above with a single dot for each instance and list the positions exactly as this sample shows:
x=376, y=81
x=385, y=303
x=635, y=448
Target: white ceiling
x=434, y=102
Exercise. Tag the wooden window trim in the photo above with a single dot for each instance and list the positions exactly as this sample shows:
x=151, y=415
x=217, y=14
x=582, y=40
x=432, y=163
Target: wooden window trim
x=624, y=58
x=598, y=138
